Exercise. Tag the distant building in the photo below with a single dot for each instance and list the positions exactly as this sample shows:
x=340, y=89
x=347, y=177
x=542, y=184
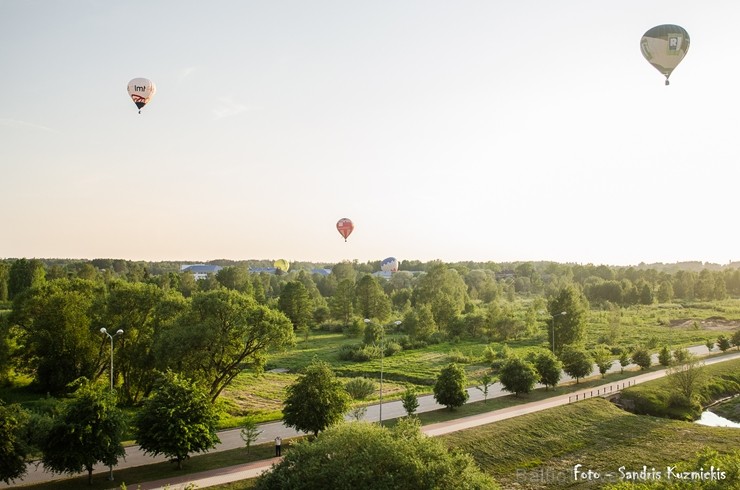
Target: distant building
x=200, y=271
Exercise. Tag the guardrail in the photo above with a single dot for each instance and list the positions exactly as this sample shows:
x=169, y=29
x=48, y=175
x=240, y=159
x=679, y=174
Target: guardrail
x=601, y=391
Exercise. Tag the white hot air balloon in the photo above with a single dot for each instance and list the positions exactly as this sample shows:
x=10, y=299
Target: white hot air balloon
x=141, y=91
x=389, y=265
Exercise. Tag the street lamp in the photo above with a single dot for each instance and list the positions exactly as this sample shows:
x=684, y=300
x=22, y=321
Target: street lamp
x=562, y=313
x=105, y=331
x=382, y=353
x=119, y=332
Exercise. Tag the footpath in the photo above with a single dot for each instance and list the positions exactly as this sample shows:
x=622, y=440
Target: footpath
x=230, y=439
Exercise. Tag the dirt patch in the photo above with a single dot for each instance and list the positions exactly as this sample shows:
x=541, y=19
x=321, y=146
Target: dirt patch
x=713, y=323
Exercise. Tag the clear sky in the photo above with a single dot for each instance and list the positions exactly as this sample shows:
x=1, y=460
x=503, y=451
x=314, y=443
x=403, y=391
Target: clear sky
x=453, y=130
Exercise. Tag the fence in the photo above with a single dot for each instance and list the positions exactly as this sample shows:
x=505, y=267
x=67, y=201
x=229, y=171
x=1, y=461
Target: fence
x=601, y=391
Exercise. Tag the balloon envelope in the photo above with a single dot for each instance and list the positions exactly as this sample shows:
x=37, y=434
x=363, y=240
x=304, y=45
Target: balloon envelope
x=345, y=227
x=389, y=265
x=282, y=265
x=141, y=91
x=664, y=47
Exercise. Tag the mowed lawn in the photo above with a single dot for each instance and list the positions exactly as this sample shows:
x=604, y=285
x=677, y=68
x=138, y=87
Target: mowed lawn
x=540, y=450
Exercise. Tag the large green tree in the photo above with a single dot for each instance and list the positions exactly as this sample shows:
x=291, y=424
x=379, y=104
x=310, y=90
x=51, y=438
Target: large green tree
x=25, y=274
x=316, y=400
x=296, y=304
x=370, y=299
x=449, y=389
x=140, y=310
x=549, y=368
x=177, y=420
x=576, y=362
x=60, y=332
x=569, y=328
x=342, y=302
x=517, y=375
x=221, y=334
x=89, y=431
x=355, y=455
x=444, y=290
x=13, y=448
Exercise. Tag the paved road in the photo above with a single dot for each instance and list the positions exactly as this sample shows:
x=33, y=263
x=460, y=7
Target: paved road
x=231, y=439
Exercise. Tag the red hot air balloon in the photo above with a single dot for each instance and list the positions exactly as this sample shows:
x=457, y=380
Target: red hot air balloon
x=345, y=227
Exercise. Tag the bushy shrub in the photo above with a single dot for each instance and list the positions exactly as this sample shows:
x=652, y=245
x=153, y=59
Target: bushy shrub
x=355, y=329
x=347, y=352
x=458, y=357
x=409, y=344
x=392, y=348
x=359, y=388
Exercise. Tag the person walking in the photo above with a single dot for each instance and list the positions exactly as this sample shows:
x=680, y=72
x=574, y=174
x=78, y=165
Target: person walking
x=278, y=446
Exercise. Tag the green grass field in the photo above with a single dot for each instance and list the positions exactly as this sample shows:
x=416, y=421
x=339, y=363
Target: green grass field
x=540, y=450
x=259, y=396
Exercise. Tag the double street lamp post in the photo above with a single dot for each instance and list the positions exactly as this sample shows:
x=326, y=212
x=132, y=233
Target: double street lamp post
x=382, y=354
x=119, y=332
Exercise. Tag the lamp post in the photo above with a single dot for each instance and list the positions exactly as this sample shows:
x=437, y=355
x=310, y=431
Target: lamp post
x=382, y=354
x=119, y=332
x=562, y=313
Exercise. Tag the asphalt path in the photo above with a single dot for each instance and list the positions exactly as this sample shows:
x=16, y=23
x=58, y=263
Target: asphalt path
x=231, y=439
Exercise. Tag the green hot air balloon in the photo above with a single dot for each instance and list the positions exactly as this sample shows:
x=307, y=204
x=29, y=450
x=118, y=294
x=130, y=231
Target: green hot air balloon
x=664, y=47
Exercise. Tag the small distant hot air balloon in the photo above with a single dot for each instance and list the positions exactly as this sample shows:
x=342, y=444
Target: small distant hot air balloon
x=141, y=91
x=345, y=227
x=664, y=47
x=389, y=265
x=281, y=266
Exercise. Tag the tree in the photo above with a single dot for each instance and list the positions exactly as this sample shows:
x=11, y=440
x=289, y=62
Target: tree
x=419, y=323
x=223, y=333
x=359, y=389
x=517, y=375
x=23, y=275
x=710, y=344
x=449, y=390
x=723, y=343
x=549, y=368
x=316, y=400
x=249, y=433
x=686, y=378
x=60, y=339
x=624, y=360
x=486, y=382
x=141, y=310
x=444, y=291
x=341, y=304
x=569, y=328
x=602, y=356
x=736, y=339
x=665, y=357
x=296, y=304
x=370, y=299
x=641, y=357
x=353, y=456
x=410, y=401
x=178, y=419
x=576, y=362
x=13, y=449
x=89, y=431
x=236, y=277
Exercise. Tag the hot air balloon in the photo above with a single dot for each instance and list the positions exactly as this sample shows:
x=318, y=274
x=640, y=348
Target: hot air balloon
x=664, y=47
x=141, y=91
x=389, y=265
x=345, y=227
x=281, y=265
